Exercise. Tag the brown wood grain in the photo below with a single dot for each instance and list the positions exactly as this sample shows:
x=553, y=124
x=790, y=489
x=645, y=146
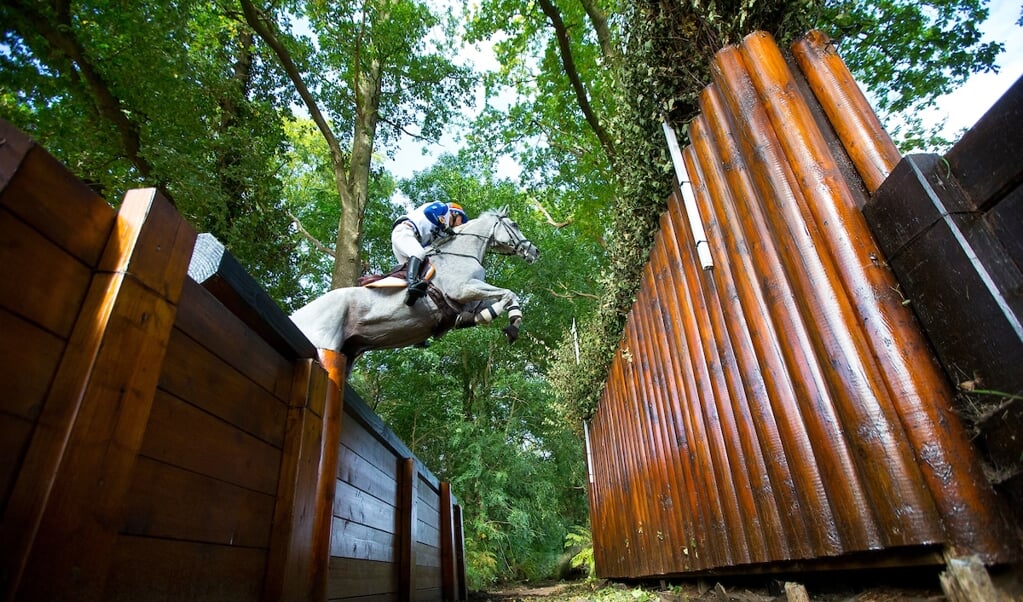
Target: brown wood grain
x=447, y=543
x=194, y=374
x=44, y=194
x=38, y=280
x=864, y=138
x=366, y=444
x=106, y=385
x=15, y=434
x=352, y=540
x=357, y=506
x=206, y=320
x=29, y=357
x=355, y=470
x=169, y=502
x=184, y=435
x=405, y=536
x=768, y=471
x=355, y=578
x=165, y=570
x=300, y=540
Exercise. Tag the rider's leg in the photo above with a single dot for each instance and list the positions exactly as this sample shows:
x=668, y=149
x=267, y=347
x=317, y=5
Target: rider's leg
x=406, y=245
x=416, y=284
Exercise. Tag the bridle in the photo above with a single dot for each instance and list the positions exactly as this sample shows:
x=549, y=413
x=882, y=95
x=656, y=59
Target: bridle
x=520, y=247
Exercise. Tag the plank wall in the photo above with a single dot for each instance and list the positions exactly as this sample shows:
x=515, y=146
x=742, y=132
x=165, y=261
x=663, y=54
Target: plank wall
x=781, y=410
x=162, y=439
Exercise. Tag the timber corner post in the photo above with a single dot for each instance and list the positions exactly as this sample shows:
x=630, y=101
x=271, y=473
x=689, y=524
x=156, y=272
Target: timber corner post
x=60, y=521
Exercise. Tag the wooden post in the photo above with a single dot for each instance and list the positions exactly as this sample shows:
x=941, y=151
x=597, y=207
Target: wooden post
x=447, y=543
x=97, y=409
x=462, y=592
x=299, y=545
x=408, y=502
x=335, y=365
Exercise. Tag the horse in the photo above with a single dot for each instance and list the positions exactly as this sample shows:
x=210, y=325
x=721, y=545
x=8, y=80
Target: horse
x=358, y=319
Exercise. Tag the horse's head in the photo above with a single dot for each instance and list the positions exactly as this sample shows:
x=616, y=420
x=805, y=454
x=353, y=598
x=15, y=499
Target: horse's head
x=507, y=239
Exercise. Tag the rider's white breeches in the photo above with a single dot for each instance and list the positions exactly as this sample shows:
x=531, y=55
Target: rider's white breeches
x=404, y=243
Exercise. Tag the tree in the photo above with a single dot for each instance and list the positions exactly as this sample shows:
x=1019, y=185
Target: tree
x=103, y=85
x=372, y=64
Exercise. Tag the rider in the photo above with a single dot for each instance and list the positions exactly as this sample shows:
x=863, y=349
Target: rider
x=415, y=230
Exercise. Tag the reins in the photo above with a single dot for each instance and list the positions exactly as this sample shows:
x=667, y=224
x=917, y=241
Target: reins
x=436, y=249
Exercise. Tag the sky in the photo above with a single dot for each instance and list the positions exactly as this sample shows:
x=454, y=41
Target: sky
x=961, y=109
x=966, y=105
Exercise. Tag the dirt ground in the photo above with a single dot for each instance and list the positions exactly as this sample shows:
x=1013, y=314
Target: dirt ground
x=913, y=588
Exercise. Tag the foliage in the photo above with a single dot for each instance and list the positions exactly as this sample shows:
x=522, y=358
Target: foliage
x=478, y=411
x=580, y=540
x=102, y=85
x=908, y=53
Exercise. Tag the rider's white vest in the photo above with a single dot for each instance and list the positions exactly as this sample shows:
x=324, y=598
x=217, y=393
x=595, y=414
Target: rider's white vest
x=427, y=229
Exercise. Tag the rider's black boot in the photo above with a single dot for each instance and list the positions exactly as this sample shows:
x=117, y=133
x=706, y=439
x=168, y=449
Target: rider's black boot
x=416, y=287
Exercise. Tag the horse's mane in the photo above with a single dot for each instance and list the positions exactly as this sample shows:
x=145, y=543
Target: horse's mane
x=501, y=212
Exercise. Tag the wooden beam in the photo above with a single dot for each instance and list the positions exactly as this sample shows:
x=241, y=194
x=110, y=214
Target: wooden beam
x=219, y=272
x=299, y=544
x=448, y=577
x=78, y=466
x=461, y=588
x=408, y=504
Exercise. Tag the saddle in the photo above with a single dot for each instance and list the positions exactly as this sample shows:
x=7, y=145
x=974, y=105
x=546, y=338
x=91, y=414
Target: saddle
x=396, y=278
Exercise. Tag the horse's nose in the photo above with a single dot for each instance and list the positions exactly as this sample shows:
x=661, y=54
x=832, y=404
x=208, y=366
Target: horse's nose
x=532, y=253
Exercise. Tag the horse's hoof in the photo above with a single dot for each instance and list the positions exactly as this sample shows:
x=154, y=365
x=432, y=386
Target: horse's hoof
x=512, y=332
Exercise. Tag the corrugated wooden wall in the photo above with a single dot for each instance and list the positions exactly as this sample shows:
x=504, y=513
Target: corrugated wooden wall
x=783, y=405
x=166, y=432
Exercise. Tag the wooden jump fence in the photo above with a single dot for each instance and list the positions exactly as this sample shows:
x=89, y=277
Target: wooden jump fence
x=166, y=433
x=782, y=409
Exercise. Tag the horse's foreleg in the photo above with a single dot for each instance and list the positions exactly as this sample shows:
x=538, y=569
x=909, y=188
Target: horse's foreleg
x=506, y=301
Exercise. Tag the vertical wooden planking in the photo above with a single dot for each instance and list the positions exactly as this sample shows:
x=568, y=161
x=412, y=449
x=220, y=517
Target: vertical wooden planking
x=664, y=490
x=703, y=408
x=831, y=254
x=461, y=587
x=447, y=542
x=110, y=370
x=408, y=518
x=700, y=548
x=864, y=138
x=678, y=526
x=744, y=532
x=750, y=247
x=335, y=364
x=914, y=384
x=770, y=473
x=821, y=401
x=686, y=471
x=740, y=441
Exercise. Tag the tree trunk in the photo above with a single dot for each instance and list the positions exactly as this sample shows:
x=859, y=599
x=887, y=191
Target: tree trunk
x=348, y=262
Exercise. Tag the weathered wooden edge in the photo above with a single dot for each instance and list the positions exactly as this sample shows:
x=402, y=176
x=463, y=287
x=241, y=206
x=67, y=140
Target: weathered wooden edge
x=219, y=272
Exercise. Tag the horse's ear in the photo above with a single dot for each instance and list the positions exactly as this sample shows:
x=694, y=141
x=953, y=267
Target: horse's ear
x=503, y=211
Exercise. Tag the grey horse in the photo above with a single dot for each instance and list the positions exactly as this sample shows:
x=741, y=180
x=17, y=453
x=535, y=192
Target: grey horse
x=358, y=319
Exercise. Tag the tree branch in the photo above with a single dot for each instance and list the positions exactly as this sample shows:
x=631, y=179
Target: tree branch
x=561, y=33
x=261, y=25
x=312, y=239
x=546, y=214
x=60, y=36
x=599, y=21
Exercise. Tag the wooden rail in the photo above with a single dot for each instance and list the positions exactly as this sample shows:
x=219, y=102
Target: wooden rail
x=167, y=433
